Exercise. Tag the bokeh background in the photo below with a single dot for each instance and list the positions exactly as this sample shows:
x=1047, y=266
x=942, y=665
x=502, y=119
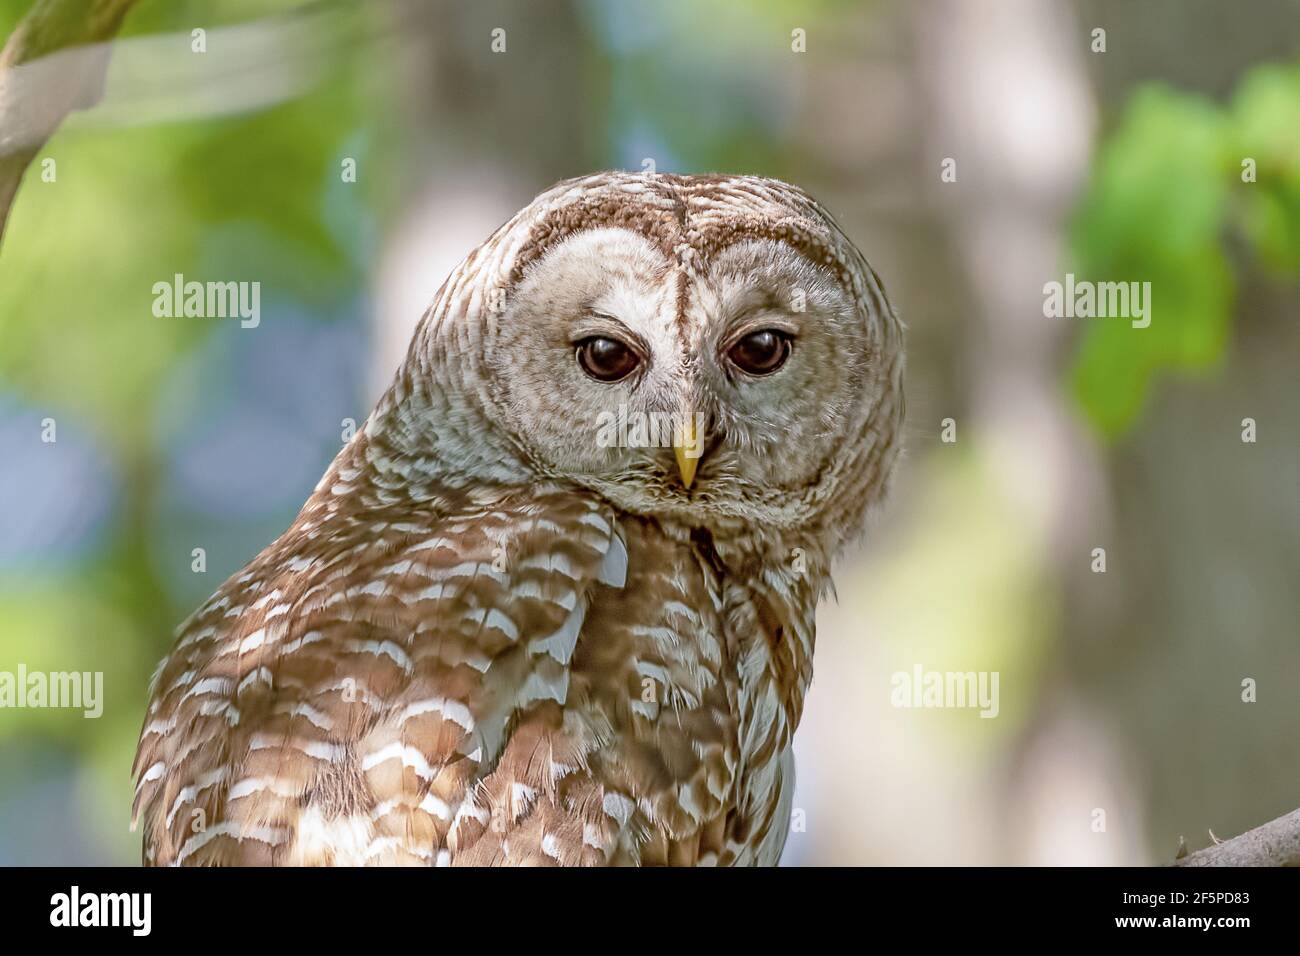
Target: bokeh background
x=1120, y=691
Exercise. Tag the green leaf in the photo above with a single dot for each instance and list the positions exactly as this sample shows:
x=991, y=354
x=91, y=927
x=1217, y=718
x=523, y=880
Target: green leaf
x=1154, y=212
x=1266, y=128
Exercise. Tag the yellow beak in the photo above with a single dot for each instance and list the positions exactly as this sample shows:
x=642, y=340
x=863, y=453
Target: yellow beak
x=686, y=449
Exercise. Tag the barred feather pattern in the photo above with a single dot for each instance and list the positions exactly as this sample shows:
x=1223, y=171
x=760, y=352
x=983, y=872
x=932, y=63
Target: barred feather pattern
x=454, y=656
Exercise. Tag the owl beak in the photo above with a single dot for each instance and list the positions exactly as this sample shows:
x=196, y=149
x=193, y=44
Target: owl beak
x=687, y=448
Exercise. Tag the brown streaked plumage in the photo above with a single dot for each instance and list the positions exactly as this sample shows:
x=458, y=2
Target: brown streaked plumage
x=489, y=638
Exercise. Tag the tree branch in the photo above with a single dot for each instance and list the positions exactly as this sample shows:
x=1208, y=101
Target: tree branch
x=1276, y=843
x=34, y=101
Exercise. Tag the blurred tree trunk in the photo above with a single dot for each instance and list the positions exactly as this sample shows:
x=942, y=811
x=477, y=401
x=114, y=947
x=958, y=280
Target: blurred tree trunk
x=42, y=79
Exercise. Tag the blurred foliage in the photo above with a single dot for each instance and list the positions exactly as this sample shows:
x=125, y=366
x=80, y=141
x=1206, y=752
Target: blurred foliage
x=974, y=546
x=252, y=196
x=1167, y=193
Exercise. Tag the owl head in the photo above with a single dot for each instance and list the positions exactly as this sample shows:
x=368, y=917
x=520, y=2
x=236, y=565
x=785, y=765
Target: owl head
x=707, y=349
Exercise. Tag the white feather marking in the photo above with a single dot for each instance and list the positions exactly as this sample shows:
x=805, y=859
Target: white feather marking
x=342, y=841
x=250, y=785
x=551, y=847
x=499, y=621
x=619, y=807
x=473, y=569
x=273, y=836
x=209, y=685
x=595, y=520
x=311, y=637
x=409, y=757
x=433, y=544
x=320, y=719
x=613, y=569
x=260, y=676
x=657, y=672
x=452, y=710
x=433, y=806
x=315, y=749
x=220, y=708
x=380, y=648
x=681, y=610
x=553, y=561
x=537, y=687
x=432, y=593
x=264, y=601
x=187, y=794
x=195, y=638
x=661, y=635
x=560, y=645
x=161, y=726
x=253, y=641
x=528, y=589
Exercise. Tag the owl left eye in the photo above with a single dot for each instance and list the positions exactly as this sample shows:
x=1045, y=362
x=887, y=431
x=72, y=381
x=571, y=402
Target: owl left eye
x=605, y=359
x=761, y=352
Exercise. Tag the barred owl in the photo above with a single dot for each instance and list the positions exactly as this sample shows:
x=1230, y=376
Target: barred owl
x=490, y=637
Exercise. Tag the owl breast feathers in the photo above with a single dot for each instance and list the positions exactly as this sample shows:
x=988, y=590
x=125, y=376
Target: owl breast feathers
x=494, y=636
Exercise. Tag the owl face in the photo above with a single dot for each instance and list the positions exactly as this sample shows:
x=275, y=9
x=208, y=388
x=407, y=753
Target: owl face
x=707, y=349
x=725, y=387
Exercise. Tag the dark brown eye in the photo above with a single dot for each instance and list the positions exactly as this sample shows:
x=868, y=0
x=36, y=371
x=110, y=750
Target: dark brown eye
x=606, y=360
x=760, y=353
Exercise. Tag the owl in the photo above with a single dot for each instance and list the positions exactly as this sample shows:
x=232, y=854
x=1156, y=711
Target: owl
x=554, y=603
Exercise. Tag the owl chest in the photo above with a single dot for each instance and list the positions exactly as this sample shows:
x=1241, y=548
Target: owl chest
x=702, y=655
x=765, y=769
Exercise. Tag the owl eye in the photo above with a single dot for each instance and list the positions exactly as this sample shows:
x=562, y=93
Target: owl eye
x=605, y=359
x=761, y=352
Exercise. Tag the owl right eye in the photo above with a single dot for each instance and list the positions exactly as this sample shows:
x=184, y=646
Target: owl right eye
x=606, y=359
